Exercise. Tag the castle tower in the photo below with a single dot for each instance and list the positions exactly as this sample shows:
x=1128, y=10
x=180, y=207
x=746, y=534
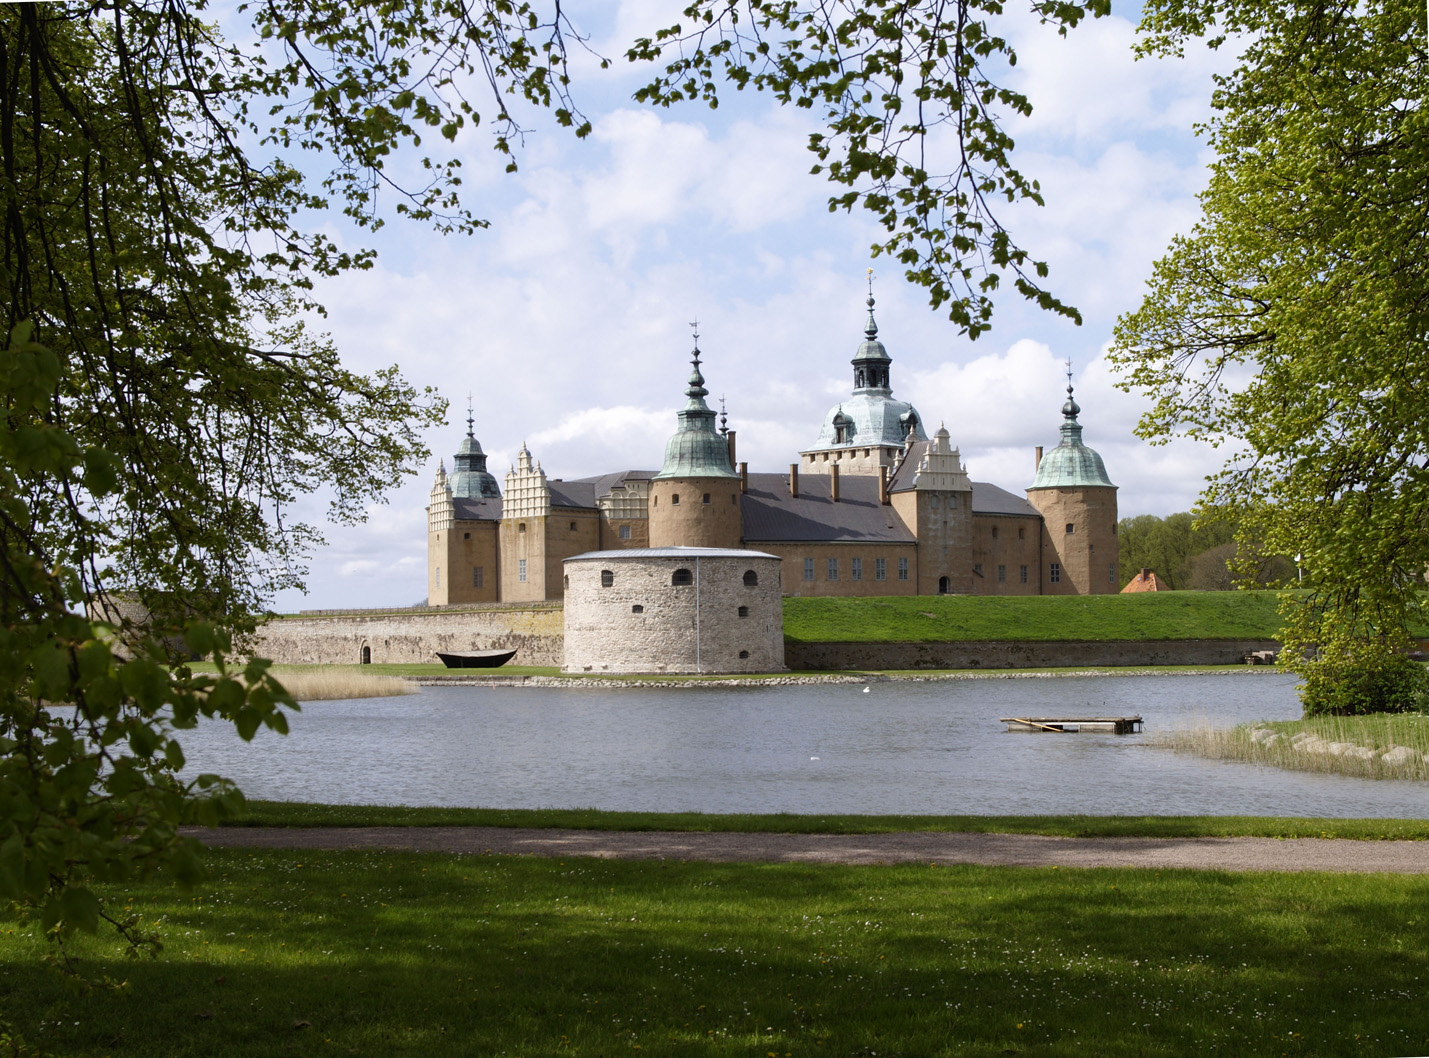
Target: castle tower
x=933, y=496
x=869, y=429
x=694, y=500
x=528, y=571
x=1078, y=505
x=463, y=512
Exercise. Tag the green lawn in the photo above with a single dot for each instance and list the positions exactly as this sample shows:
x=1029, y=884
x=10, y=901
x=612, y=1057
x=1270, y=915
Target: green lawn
x=296, y=953
x=293, y=814
x=941, y=618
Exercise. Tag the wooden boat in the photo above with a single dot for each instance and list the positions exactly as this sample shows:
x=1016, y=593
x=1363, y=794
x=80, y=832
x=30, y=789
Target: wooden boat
x=1117, y=725
x=476, y=659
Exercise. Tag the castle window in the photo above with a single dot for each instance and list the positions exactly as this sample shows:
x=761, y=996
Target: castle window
x=953, y=500
x=607, y=578
x=566, y=581
x=637, y=608
x=933, y=502
x=439, y=576
x=857, y=571
x=744, y=653
x=573, y=527
x=734, y=499
x=880, y=569
x=1022, y=534
x=1022, y=574
x=902, y=569
x=1071, y=528
x=478, y=576
x=1111, y=573
x=625, y=532
x=706, y=499
x=744, y=611
x=674, y=499
x=944, y=585
x=654, y=501
x=682, y=576
x=751, y=579
x=521, y=568
x=994, y=532
x=977, y=569
x=1054, y=573
x=367, y=655
x=521, y=528
x=833, y=569
x=1001, y=574
x=808, y=569
x=466, y=536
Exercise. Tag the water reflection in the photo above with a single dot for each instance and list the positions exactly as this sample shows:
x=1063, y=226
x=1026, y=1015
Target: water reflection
x=901, y=748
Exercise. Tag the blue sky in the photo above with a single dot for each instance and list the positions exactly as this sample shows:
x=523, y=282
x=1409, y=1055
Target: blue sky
x=568, y=319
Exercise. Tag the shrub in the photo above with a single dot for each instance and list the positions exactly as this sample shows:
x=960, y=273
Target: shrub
x=1354, y=679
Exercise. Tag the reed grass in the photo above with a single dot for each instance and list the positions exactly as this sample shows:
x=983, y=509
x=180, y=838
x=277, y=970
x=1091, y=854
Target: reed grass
x=1378, y=746
x=326, y=684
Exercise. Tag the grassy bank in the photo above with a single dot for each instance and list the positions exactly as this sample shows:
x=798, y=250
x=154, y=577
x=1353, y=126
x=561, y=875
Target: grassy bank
x=393, y=954
x=940, y=618
x=294, y=814
x=1379, y=746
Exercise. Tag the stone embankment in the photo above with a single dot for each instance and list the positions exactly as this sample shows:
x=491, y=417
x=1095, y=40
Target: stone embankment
x=796, y=681
x=1313, y=745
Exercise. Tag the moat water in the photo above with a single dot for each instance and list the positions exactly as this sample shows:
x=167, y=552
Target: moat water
x=899, y=748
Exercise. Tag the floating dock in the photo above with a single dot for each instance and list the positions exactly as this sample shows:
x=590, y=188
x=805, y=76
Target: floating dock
x=1116, y=725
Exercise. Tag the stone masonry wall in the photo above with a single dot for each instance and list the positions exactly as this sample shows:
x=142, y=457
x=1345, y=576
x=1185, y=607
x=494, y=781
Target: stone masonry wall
x=1019, y=655
x=641, y=622
x=413, y=636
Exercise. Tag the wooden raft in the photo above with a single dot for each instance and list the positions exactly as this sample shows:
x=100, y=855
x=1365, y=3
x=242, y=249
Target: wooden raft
x=1117, y=725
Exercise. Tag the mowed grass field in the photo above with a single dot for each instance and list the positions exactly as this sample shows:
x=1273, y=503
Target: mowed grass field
x=296, y=953
x=941, y=618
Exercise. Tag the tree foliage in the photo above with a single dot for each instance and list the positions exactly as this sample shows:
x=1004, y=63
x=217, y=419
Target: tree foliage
x=166, y=402
x=1293, y=321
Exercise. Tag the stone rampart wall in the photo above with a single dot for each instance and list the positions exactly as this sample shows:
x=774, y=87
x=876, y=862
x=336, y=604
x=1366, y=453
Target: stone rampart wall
x=415, y=636
x=1019, y=655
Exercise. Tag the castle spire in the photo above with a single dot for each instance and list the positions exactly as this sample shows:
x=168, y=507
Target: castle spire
x=870, y=363
x=696, y=449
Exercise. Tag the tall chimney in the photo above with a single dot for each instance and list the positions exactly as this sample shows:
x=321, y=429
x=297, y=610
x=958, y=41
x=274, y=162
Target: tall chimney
x=1038, y=465
x=744, y=477
x=834, y=482
x=883, y=485
x=730, y=435
x=794, y=480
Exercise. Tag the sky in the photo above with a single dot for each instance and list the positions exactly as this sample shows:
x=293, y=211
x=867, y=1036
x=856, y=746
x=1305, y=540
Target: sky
x=568, y=320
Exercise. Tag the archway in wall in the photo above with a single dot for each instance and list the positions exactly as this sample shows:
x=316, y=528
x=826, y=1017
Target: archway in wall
x=944, y=585
x=366, y=654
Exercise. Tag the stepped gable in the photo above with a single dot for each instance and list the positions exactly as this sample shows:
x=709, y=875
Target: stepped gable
x=771, y=514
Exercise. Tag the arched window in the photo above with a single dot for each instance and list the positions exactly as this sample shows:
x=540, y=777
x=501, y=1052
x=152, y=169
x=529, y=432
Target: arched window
x=751, y=579
x=744, y=611
x=944, y=585
x=637, y=608
x=744, y=653
x=674, y=499
x=566, y=581
x=682, y=576
x=521, y=528
x=607, y=578
x=367, y=655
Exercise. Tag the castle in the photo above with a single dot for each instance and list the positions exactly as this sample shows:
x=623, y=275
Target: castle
x=873, y=507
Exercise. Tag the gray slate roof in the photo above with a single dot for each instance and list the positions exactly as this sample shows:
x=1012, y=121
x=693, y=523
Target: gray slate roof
x=467, y=509
x=583, y=492
x=770, y=513
x=989, y=499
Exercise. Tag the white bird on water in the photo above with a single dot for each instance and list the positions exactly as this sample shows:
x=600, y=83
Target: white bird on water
x=865, y=690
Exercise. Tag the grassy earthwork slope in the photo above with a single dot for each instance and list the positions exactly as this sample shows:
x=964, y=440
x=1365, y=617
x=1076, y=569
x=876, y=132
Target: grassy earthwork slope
x=944, y=618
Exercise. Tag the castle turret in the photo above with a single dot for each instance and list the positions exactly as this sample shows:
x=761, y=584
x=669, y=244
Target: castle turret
x=868, y=429
x=1078, y=505
x=469, y=478
x=694, y=499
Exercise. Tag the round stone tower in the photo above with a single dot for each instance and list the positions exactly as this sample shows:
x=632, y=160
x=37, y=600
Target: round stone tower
x=694, y=500
x=1078, y=505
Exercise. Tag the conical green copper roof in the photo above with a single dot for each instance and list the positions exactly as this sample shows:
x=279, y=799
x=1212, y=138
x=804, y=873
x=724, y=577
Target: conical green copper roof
x=697, y=450
x=469, y=478
x=1071, y=464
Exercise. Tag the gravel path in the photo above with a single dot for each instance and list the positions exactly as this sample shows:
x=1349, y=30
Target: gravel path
x=1019, y=850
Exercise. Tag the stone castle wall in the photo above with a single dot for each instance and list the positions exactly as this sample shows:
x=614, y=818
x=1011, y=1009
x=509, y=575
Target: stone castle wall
x=412, y=636
x=637, y=620
x=1020, y=655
